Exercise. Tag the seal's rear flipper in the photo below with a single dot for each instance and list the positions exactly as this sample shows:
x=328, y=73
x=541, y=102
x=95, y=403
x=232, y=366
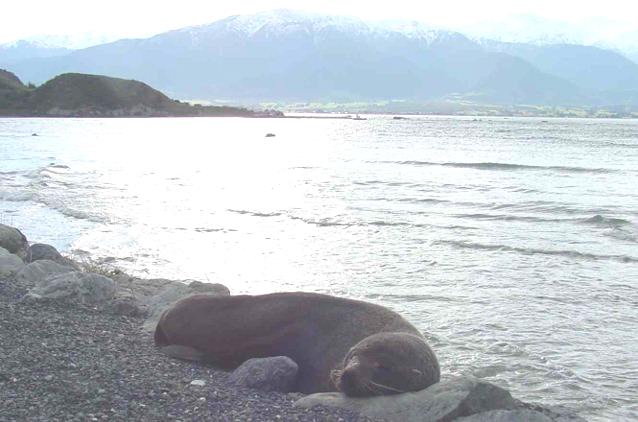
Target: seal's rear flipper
x=183, y=353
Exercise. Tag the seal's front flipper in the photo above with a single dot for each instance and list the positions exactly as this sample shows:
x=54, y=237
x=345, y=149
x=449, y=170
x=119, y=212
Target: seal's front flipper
x=183, y=353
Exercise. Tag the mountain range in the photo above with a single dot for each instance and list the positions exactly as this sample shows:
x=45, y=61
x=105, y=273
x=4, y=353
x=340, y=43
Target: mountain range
x=293, y=56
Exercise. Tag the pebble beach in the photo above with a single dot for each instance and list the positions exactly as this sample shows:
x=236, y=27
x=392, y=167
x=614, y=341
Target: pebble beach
x=62, y=361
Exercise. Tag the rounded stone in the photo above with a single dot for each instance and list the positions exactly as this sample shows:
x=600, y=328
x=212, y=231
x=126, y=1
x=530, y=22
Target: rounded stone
x=278, y=373
x=14, y=241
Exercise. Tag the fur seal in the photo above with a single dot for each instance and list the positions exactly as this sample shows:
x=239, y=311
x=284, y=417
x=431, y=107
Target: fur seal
x=340, y=344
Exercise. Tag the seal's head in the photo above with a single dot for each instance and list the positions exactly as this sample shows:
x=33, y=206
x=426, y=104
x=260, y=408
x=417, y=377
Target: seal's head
x=387, y=363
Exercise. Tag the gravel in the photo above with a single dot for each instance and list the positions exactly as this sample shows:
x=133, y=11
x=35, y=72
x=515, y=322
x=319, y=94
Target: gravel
x=61, y=361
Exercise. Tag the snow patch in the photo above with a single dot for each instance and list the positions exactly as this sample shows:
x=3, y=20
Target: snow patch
x=283, y=21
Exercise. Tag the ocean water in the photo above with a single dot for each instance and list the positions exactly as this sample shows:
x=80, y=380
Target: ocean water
x=511, y=243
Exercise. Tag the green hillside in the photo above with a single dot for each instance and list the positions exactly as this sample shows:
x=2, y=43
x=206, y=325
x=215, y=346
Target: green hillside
x=74, y=91
x=9, y=81
x=81, y=95
x=13, y=94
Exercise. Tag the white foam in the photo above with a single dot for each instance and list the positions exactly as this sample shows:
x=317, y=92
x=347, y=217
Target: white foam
x=16, y=196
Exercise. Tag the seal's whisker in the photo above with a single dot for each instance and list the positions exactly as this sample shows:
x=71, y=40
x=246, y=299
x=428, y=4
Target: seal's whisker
x=372, y=389
x=385, y=387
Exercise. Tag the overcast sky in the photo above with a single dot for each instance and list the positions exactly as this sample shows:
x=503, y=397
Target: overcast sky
x=142, y=18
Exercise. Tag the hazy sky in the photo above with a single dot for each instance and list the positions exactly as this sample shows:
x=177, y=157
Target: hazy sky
x=141, y=18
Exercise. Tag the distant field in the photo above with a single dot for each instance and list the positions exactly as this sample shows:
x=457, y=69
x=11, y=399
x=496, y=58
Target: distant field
x=456, y=108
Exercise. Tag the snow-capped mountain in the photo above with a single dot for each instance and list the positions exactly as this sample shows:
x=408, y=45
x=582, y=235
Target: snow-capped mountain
x=71, y=42
x=298, y=56
x=44, y=46
x=286, y=21
x=625, y=42
x=410, y=29
x=279, y=23
x=540, y=32
x=22, y=50
x=590, y=68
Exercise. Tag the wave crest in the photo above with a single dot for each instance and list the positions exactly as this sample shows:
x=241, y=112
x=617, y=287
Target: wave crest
x=600, y=220
x=504, y=166
x=533, y=251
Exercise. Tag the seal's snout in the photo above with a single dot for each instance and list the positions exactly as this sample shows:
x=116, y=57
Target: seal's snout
x=349, y=379
x=352, y=380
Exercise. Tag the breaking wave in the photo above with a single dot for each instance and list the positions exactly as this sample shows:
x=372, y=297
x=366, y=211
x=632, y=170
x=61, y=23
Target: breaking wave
x=255, y=213
x=599, y=220
x=505, y=166
x=534, y=251
x=509, y=217
x=19, y=196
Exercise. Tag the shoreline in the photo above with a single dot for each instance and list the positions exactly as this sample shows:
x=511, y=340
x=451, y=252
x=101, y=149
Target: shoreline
x=80, y=357
x=326, y=115
x=63, y=361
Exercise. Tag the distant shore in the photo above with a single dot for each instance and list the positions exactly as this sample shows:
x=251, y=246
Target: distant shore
x=477, y=111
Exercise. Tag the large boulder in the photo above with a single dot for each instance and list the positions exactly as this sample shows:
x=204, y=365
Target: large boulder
x=86, y=288
x=36, y=272
x=14, y=241
x=42, y=251
x=442, y=402
x=517, y=415
x=10, y=264
x=141, y=289
x=277, y=373
x=553, y=413
x=158, y=303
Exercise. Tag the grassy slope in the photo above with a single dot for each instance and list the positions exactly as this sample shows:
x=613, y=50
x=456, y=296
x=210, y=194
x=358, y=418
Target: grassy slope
x=81, y=94
x=73, y=90
x=13, y=94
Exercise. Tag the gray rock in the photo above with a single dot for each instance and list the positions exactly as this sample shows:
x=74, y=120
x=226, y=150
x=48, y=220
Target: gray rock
x=87, y=288
x=164, y=299
x=134, y=295
x=37, y=272
x=41, y=251
x=518, y=415
x=277, y=373
x=127, y=306
x=10, y=264
x=442, y=402
x=554, y=413
x=14, y=241
x=142, y=289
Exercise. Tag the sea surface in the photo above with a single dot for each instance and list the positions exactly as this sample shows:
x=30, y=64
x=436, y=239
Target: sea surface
x=511, y=243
